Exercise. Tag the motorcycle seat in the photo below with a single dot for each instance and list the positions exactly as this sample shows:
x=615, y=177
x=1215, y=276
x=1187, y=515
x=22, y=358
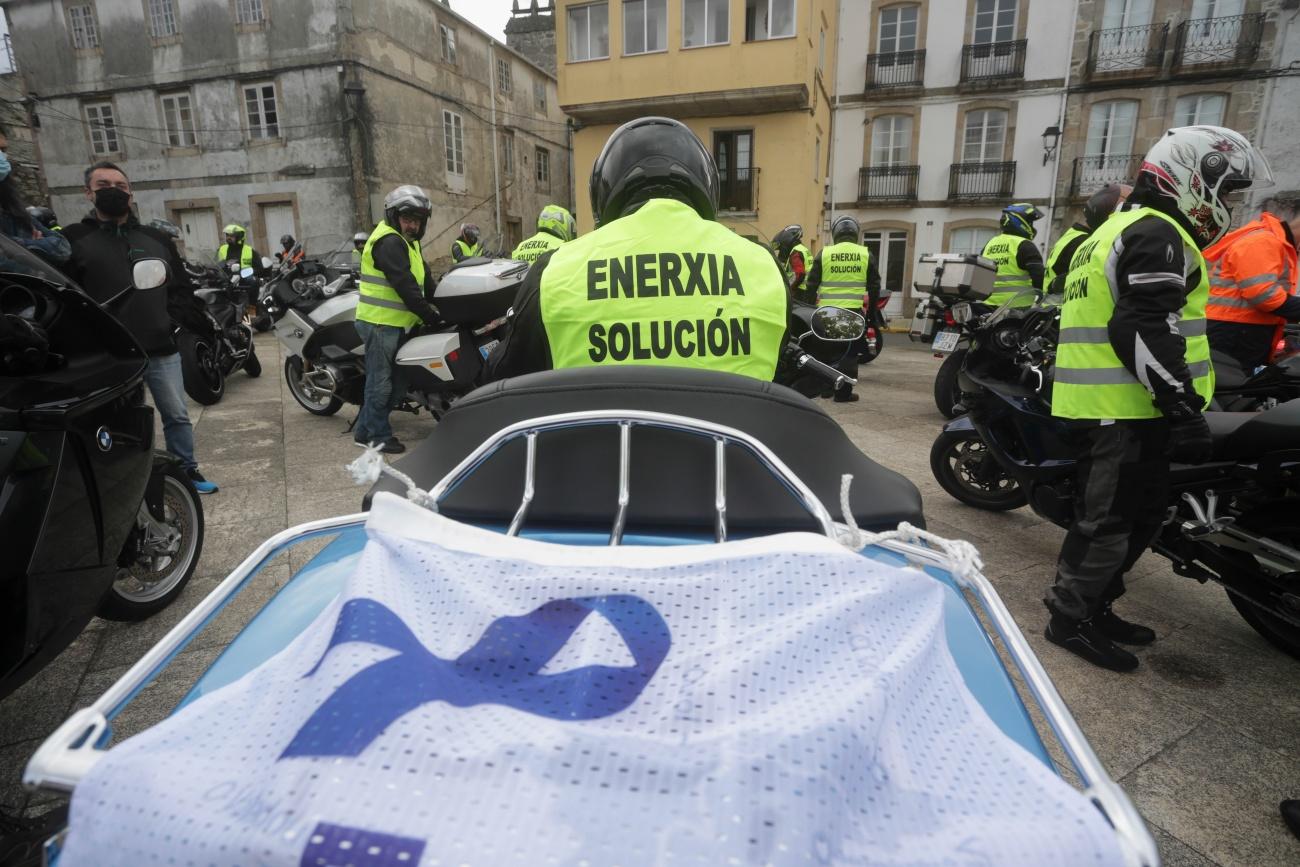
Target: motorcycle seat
x=1247, y=435
x=672, y=475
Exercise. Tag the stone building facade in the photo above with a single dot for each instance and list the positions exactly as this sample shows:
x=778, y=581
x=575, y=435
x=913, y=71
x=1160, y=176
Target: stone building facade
x=531, y=32
x=24, y=157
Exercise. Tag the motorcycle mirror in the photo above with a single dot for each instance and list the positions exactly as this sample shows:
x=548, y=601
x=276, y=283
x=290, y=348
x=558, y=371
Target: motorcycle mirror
x=266, y=262
x=245, y=273
x=837, y=323
x=149, y=273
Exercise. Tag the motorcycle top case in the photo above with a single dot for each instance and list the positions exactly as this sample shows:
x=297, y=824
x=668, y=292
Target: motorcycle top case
x=962, y=276
x=478, y=292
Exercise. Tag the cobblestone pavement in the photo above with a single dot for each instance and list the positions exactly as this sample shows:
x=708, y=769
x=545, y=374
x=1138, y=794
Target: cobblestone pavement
x=1205, y=736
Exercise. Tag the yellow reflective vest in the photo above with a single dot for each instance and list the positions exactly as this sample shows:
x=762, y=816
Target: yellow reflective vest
x=790, y=276
x=461, y=251
x=664, y=287
x=843, y=269
x=379, y=302
x=1011, y=279
x=245, y=255
x=1091, y=382
x=1050, y=272
x=532, y=249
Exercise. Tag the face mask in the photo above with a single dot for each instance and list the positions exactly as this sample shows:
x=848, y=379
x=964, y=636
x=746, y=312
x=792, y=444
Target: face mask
x=4, y=166
x=112, y=202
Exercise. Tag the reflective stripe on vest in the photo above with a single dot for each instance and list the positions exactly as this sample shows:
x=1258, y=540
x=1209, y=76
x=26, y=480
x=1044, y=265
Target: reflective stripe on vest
x=844, y=269
x=1241, y=290
x=245, y=255
x=379, y=302
x=664, y=287
x=1090, y=380
x=1011, y=280
x=532, y=249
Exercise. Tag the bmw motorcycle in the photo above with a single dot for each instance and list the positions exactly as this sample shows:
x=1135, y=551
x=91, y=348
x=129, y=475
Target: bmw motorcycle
x=94, y=519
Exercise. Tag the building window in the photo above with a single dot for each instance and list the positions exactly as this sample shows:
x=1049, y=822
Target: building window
x=705, y=22
x=768, y=19
x=505, y=78
x=103, y=128
x=448, y=37
x=81, y=24
x=1108, y=151
x=995, y=21
x=543, y=160
x=733, y=152
x=985, y=136
x=589, y=32
x=898, y=29
x=971, y=239
x=453, y=142
x=1124, y=40
x=889, y=251
x=645, y=26
x=508, y=153
x=162, y=19
x=539, y=95
x=1200, y=109
x=263, y=119
x=891, y=140
x=249, y=12
x=178, y=117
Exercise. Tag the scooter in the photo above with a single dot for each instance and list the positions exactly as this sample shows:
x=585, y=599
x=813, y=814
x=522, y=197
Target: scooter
x=95, y=521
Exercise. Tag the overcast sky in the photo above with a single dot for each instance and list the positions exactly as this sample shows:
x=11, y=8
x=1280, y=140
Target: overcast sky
x=491, y=15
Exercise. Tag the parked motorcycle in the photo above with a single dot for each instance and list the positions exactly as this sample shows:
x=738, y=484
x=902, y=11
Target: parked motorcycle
x=325, y=364
x=293, y=278
x=94, y=520
x=1234, y=520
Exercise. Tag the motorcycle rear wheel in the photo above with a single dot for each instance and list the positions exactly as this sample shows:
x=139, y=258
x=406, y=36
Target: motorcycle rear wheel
x=312, y=402
x=200, y=369
x=1285, y=528
x=947, y=392
x=159, y=570
x=963, y=467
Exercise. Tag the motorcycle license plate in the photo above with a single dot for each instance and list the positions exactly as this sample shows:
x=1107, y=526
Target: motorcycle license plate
x=946, y=341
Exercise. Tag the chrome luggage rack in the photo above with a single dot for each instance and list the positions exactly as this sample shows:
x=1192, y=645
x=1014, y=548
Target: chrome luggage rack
x=75, y=747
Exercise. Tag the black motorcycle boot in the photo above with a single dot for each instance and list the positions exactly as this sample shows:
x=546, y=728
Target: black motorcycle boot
x=846, y=395
x=1085, y=640
x=1291, y=815
x=1116, y=628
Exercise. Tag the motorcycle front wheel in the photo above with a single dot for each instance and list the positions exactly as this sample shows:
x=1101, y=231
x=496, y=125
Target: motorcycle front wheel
x=200, y=368
x=963, y=466
x=160, y=556
x=947, y=392
x=1281, y=527
x=310, y=399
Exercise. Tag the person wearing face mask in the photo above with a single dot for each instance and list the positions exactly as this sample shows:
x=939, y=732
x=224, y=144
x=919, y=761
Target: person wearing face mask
x=105, y=246
x=17, y=223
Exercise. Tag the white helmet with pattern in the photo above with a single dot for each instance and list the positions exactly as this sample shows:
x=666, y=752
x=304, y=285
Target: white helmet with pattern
x=1197, y=168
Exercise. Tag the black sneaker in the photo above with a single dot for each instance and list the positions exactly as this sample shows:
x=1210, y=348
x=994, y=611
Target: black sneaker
x=1115, y=628
x=1086, y=641
x=202, y=485
x=847, y=397
x=394, y=446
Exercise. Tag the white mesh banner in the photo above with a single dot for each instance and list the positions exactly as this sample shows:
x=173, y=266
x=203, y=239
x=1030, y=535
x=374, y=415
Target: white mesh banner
x=474, y=699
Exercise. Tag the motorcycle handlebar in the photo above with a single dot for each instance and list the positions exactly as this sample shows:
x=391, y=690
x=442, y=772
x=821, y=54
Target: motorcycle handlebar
x=804, y=361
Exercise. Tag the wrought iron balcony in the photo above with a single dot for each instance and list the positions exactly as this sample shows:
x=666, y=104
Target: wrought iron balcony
x=888, y=183
x=896, y=69
x=993, y=61
x=1133, y=50
x=1092, y=173
x=738, y=190
x=976, y=182
x=1229, y=41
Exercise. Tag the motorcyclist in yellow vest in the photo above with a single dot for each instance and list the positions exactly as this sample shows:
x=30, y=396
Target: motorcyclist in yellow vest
x=658, y=282
x=1099, y=206
x=1020, y=265
x=555, y=227
x=794, y=258
x=467, y=245
x=844, y=275
x=236, y=250
x=1133, y=367
x=394, y=291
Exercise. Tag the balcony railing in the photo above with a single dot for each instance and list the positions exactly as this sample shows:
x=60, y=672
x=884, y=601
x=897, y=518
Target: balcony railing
x=739, y=190
x=975, y=182
x=1127, y=49
x=1231, y=40
x=896, y=69
x=888, y=183
x=993, y=61
x=1092, y=173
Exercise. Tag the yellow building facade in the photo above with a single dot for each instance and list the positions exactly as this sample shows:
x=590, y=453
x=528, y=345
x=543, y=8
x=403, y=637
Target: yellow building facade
x=752, y=78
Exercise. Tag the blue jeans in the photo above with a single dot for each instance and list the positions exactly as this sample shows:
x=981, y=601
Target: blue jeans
x=167, y=386
x=384, y=383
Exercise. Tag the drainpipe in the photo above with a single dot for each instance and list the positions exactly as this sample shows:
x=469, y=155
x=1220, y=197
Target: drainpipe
x=1060, y=124
x=496, y=182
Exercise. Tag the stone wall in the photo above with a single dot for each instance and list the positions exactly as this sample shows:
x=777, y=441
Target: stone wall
x=531, y=32
x=23, y=156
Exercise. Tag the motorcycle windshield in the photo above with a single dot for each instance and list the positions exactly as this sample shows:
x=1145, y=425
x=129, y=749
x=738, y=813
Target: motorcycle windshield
x=16, y=259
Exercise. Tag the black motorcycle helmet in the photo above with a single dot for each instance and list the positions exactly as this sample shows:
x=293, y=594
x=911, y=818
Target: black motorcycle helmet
x=785, y=240
x=1103, y=203
x=845, y=229
x=287, y=242
x=653, y=158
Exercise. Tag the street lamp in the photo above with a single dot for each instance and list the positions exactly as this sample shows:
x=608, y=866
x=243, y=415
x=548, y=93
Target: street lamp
x=1051, y=136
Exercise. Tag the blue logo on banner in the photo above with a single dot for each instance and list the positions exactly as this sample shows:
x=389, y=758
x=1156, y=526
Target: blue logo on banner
x=502, y=668
x=339, y=844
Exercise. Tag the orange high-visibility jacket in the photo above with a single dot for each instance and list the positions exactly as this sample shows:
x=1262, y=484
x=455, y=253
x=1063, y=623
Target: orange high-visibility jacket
x=1252, y=270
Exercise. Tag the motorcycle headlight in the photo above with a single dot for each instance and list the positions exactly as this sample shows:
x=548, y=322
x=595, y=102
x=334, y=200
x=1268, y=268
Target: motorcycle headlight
x=299, y=285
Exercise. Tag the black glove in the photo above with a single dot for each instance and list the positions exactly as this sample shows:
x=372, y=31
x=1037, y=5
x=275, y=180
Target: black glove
x=1189, y=433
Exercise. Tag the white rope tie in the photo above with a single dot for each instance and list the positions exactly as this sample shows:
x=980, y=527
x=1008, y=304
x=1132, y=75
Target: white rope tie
x=367, y=469
x=963, y=558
